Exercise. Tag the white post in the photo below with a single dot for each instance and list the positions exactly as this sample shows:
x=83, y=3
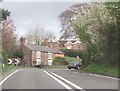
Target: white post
x=3, y=65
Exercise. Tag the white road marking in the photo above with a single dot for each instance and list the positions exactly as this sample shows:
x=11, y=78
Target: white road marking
x=76, y=86
x=8, y=77
x=104, y=76
x=59, y=81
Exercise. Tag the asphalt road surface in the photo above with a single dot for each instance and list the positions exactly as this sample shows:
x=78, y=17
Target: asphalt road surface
x=57, y=79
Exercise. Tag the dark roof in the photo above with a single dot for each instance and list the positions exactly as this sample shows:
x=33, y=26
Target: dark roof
x=43, y=48
x=62, y=42
x=73, y=41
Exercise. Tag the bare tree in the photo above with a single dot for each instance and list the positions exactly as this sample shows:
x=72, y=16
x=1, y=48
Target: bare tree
x=8, y=35
x=73, y=14
x=37, y=35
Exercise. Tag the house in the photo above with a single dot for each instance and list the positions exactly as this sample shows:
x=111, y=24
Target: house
x=51, y=43
x=39, y=54
x=65, y=44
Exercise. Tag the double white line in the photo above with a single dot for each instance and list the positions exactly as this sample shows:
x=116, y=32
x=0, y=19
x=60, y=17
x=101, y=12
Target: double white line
x=53, y=75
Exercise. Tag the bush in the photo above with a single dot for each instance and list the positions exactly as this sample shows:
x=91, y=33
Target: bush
x=70, y=59
x=18, y=53
x=71, y=53
x=5, y=55
x=59, y=61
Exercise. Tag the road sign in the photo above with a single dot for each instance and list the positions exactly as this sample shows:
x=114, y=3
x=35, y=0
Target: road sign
x=17, y=61
x=9, y=61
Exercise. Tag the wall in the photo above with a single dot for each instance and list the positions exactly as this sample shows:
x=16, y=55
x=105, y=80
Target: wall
x=27, y=55
x=55, y=45
x=68, y=45
x=44, y=58
x=33, y=58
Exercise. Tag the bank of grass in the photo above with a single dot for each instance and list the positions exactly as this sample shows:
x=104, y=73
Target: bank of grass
x=100, y=69
x=9, y=68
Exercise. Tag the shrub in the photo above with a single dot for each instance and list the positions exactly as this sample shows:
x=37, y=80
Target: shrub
x=70, y=59
x=18, y=53
x=71, y=53
x=5, y=55
x=59, y=61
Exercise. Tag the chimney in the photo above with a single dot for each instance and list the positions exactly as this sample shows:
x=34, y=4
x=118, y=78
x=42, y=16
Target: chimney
x=46, y=42
x=23, y=40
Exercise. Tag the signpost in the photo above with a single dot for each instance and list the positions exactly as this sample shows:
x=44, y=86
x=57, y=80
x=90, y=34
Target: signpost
x=10, y=61
x=15, y=61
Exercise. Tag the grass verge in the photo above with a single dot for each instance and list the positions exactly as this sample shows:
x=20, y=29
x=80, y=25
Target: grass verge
x=102, y=70
x=9, y=68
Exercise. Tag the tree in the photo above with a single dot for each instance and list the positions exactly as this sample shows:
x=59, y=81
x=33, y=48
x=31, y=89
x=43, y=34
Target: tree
x=94, y=25
x=113, y=9
x=8, y=37
x=67, y=30
x=37, y=35
x=5, y=14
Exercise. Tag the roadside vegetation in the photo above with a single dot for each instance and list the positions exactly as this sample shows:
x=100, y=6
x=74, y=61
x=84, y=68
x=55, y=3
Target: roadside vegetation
x=8, y=68
x=100, y=69
x=58, y=61
x=70, y=59
x=97, y=25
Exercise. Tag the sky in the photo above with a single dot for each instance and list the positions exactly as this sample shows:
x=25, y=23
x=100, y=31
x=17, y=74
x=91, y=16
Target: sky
x=28, y=15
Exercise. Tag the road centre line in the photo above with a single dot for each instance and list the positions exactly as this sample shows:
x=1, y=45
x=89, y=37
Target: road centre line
x=71, y=83
x=59, y=81
x=8, y=77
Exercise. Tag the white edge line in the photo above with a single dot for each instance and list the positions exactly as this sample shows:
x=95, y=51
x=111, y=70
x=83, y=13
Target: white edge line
x=76, y=86
x=8, y=77
x=59, y=81
x=104, y=76
x=98, y=75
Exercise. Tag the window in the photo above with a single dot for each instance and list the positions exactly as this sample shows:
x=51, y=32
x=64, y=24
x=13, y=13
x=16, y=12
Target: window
x=38, y=54
x=68, y=47
x=49, y=62
x=49, y=55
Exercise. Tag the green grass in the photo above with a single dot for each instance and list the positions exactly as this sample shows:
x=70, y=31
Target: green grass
x=9, y=68
x=100, y=69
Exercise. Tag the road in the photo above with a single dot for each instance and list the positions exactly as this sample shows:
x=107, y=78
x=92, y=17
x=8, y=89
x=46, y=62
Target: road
x=57, y=79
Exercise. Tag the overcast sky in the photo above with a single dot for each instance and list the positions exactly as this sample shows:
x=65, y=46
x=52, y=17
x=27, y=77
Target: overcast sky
x=28, y=15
